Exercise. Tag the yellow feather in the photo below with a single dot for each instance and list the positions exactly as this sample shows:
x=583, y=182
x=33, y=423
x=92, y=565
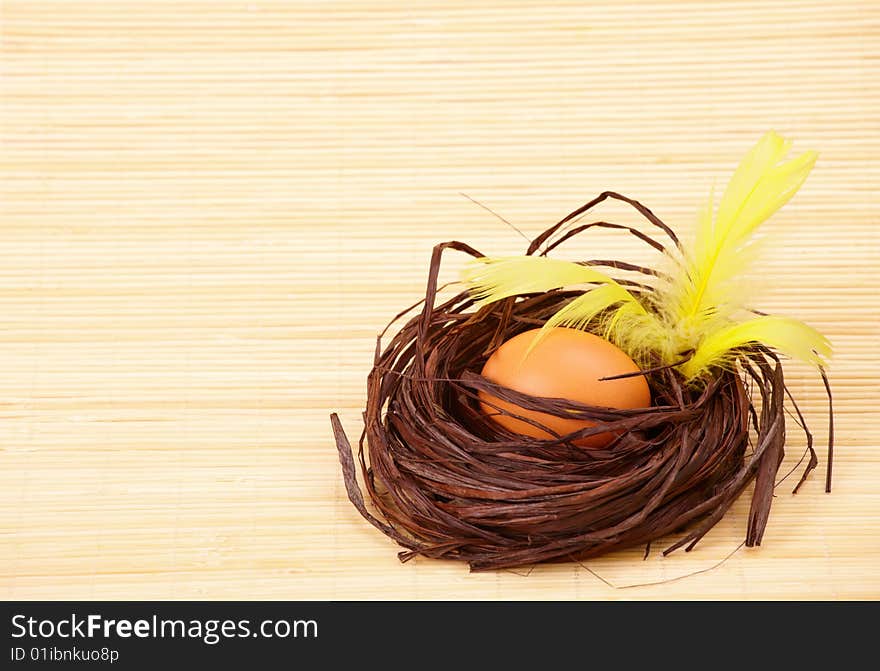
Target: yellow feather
x=788, y=336
x=579, y=312
x=640, y=333
x=769, y=150
x=491, y=279
x=694, y=304
x=758, y=188
x=775, y=190
x=583, y=310
x=706, y=290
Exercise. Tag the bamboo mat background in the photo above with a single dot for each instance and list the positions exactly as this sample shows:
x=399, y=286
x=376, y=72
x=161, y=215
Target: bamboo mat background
x=209, y=209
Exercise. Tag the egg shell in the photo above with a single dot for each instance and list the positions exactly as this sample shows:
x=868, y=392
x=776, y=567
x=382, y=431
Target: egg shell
x=566, y=363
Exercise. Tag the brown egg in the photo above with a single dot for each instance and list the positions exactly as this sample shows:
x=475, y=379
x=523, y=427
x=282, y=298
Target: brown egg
x=567, y=363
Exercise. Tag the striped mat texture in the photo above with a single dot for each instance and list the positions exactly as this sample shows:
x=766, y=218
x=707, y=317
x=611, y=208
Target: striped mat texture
x=209, y=209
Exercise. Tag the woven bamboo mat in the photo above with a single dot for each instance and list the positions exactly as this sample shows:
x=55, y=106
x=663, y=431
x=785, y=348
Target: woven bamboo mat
x=209, y=209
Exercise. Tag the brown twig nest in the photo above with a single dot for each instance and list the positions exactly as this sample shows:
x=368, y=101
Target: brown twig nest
x=448, y=484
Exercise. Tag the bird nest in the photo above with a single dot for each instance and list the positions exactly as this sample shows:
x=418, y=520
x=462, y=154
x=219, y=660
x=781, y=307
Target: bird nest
x=445, y=483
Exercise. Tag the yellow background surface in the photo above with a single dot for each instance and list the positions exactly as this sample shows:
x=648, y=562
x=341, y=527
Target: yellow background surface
x=209, y=209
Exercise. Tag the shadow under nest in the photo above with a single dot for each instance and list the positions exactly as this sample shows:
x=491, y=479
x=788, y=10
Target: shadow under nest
x=446, y=483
